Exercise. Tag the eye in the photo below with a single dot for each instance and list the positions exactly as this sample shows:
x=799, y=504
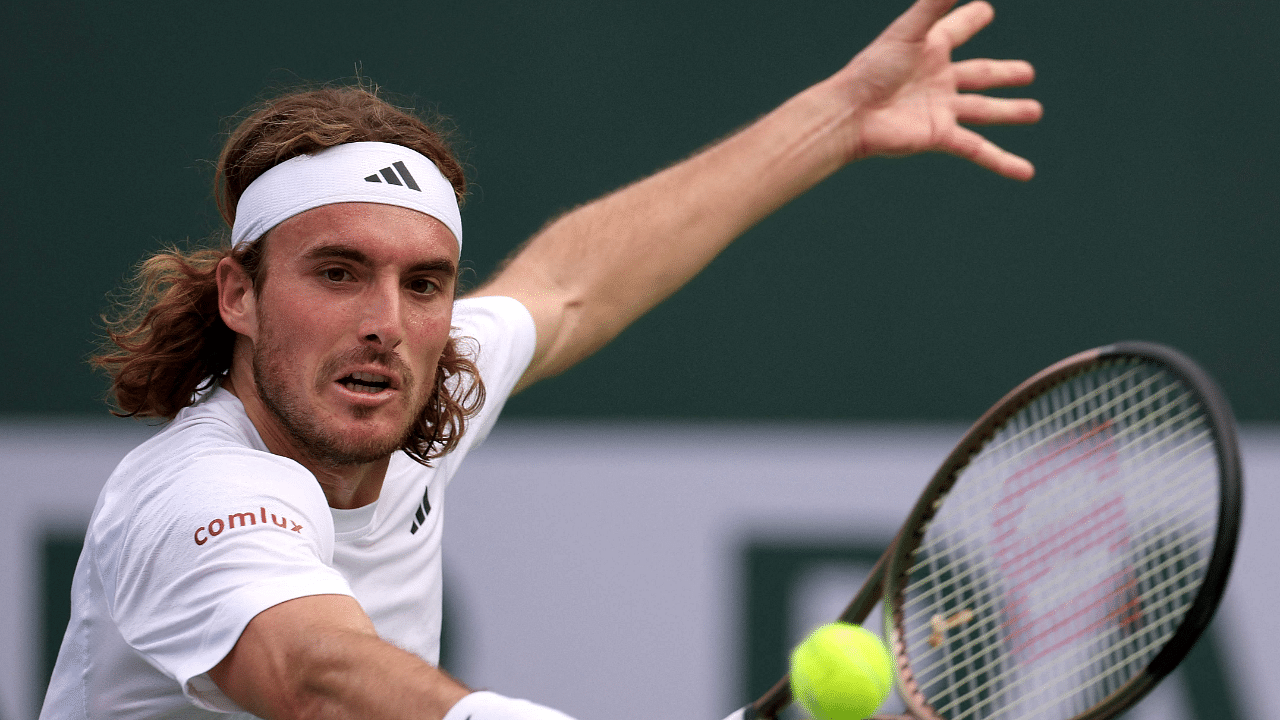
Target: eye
x=336, y=274
x=423, y=286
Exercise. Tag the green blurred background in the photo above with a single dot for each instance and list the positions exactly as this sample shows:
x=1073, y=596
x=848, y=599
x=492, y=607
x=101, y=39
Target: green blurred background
x=898, y=290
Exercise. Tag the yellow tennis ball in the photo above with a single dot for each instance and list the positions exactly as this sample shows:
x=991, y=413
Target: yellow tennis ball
x=841, y=672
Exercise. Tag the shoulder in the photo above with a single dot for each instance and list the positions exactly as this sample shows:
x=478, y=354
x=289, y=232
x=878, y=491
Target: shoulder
x=208, y=459
x=214, y=439
x=499, y=335
x=493, y=317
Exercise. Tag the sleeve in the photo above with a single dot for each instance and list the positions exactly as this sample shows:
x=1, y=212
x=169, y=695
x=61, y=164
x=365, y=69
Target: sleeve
x=502, y=338
x=230, y=534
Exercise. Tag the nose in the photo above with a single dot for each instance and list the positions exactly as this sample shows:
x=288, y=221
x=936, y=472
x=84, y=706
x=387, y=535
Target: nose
x=382, y=321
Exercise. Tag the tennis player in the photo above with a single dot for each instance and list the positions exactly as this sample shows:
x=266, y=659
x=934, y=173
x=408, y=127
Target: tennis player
x=274, y=551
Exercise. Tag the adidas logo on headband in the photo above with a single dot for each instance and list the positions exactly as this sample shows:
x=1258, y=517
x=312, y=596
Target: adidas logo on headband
x=389, y=173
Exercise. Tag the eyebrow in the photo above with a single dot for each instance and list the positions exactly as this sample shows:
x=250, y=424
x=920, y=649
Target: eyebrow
x=352, y=254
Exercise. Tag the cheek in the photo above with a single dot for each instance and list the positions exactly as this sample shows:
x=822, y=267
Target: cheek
x=430, y=326
x=292, y=331
x=430, y=334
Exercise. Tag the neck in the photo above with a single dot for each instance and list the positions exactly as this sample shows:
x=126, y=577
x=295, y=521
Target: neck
x=345, y=486
x=349, y=486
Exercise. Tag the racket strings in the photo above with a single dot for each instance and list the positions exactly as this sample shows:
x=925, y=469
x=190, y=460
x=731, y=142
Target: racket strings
x=976, y=503
x=1123, y=663
x=1137, y=646
x=1024, y=424
x=1015, y=568
x=1160, y=499
x=1027, y=443
x=956, y=595
x=1065, y=640
x=986, y=464
x=1070, y=697
x=1030, y=441
x=1033, y=611
x=972, y=664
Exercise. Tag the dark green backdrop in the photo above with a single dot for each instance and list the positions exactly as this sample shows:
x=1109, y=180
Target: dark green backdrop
x=905, y=289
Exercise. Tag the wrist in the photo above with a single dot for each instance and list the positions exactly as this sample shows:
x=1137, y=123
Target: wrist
x=488, y=705
x=819, y=128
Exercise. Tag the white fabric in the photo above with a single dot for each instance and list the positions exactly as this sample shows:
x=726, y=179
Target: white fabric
x=200, y=528
x=487, y=705
x=372, y=172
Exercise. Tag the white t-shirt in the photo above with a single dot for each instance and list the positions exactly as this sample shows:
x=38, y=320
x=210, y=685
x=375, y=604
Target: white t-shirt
x=201, y=528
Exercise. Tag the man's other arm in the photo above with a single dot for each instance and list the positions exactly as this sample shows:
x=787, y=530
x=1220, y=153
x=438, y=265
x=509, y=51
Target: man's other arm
x=593, y=271
x=320, y=657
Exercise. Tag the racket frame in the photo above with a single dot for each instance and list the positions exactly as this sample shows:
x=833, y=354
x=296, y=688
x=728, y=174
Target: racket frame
x=1198, y=615
x=898, y=556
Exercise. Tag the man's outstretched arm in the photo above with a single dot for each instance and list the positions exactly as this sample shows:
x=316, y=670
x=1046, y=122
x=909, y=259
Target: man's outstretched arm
x=592, y=272
x=320, y=657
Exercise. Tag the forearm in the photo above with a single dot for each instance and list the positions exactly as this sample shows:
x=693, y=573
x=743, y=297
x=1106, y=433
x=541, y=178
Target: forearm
x=369, y=679
x=593, y=271
x=317, y=658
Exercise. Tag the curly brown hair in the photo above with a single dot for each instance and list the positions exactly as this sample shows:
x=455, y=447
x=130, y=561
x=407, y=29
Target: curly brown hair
x=167, y=342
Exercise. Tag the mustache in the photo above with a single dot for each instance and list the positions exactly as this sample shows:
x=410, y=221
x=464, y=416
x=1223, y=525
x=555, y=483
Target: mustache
x=388, y=362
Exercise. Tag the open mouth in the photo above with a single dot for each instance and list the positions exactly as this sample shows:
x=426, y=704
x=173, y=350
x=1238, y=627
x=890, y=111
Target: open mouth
x=363, y=382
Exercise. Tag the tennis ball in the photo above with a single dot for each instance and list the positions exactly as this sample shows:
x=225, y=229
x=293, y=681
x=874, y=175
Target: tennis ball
x=841, y=672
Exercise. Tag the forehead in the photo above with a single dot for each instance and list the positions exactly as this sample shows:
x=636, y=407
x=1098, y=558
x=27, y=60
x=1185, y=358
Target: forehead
x=385, y=232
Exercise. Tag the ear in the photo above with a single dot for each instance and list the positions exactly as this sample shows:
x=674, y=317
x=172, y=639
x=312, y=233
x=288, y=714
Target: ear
x=237, y=299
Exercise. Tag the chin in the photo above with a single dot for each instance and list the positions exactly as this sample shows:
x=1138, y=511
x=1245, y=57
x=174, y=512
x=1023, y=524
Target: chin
x=358, y=450
x=374, y=436
x=349, y=442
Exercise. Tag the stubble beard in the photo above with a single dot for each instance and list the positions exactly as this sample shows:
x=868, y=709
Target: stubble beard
x=321, y=444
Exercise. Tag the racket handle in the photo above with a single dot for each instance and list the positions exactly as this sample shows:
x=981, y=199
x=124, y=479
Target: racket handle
x=779, y=696
x=772, y=702
x=871, y=593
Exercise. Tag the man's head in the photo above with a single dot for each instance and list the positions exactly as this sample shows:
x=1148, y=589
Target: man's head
x=306, y=122
x=337, y=348
x=181, y=332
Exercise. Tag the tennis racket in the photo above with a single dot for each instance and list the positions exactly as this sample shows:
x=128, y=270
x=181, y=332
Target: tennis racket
x=1069, y=551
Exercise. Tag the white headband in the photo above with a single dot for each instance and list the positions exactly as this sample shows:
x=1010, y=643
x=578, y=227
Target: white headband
x=371, y=172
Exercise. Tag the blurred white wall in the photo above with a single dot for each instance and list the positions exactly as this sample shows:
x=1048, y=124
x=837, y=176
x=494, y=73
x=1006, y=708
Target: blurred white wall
x=596, y=567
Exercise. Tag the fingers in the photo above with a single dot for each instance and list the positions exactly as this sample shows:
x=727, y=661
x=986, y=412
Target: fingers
x=983, y=110
x=983, y=74
x=968, y=144
x=965, y=21
x=914, y=24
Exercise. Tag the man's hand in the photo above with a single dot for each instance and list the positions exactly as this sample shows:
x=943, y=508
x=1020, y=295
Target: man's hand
x=905, y=90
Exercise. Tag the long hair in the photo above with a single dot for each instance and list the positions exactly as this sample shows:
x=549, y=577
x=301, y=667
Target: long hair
x=167, y=341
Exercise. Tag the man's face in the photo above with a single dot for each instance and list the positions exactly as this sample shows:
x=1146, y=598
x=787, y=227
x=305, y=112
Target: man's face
x=352, y=318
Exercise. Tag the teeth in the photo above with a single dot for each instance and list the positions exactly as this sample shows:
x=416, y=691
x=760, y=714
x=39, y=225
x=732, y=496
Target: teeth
x=369, y=377
x=365, y=382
